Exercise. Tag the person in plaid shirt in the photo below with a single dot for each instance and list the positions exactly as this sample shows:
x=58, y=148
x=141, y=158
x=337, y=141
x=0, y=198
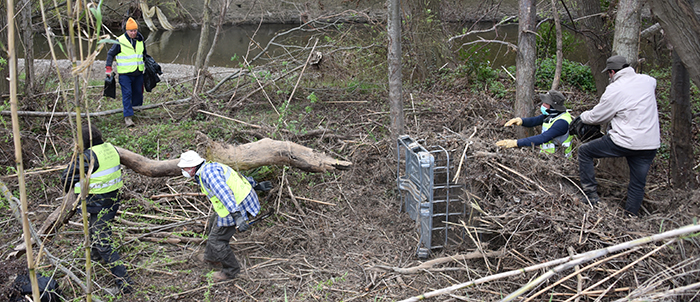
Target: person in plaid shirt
x=233, y=197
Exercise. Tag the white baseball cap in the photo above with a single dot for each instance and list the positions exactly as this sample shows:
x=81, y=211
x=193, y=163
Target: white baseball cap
x=190, y=159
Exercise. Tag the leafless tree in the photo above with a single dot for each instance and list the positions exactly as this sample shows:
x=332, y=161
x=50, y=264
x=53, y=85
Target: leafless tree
x=560, y=45
x=591, y=26
x=682, y=28
x=199, y=67
x=27, y=41
x=395, y=77
x=525, y=63
x=627, y=27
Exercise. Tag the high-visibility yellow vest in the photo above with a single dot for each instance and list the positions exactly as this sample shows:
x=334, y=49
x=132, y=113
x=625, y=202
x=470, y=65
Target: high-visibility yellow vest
x=563, y=140
x=129, y=59
x=108, y=177
x=235, y=181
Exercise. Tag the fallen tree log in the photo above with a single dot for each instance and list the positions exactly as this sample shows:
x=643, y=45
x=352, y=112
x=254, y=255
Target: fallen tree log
x=265, y=152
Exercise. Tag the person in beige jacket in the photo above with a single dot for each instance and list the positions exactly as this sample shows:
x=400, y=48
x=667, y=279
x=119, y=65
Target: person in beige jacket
x=629, y=104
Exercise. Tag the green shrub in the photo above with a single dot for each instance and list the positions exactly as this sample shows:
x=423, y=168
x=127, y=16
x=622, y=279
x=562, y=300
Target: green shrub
x=572, y=73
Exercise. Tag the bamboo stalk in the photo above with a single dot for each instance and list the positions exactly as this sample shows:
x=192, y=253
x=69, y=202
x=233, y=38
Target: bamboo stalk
x=84, y=179
x=18, y=146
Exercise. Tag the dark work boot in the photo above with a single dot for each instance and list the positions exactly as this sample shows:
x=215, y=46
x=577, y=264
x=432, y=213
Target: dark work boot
x=593, y=198
x=95, y=256
x=124, y=284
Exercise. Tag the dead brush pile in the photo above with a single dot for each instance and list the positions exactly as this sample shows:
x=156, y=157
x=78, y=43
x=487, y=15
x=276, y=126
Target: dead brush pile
x=529, y=206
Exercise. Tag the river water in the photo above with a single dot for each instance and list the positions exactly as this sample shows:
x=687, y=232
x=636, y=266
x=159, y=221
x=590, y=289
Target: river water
x=180, y=46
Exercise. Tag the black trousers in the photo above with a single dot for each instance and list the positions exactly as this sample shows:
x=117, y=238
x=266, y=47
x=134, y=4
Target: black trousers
x=102, y=245
x=219, y=250
x=639, y=162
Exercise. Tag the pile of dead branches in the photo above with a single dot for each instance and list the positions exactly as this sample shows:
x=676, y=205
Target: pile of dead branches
x=529, y=215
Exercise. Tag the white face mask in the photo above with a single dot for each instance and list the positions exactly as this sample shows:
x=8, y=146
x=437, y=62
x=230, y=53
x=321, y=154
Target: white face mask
x=186, y=174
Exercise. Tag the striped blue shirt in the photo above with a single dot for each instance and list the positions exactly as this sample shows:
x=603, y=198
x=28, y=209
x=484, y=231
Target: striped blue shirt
x=212, y=175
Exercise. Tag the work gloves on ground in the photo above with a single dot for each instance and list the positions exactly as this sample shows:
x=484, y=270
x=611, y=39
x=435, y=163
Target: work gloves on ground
x=241, y=224
x=263, y=186
x=507, y=143
x=518, y=121
x=108, y=70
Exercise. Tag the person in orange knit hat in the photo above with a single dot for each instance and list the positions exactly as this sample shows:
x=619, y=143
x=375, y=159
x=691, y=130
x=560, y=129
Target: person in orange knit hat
x=129, y=54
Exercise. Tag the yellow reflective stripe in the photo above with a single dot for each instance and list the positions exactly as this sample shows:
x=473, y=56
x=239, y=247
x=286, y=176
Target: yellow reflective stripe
x=103, y=184
x=134, y=56
x=105, y=172
x=130, y=63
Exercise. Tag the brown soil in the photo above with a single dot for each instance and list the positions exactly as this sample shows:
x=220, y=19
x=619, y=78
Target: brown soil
x=529, y=208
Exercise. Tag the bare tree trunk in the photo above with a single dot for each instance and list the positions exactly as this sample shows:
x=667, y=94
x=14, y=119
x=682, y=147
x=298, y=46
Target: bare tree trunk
x=593, y=30
x=222, y=16
x=560, y=45
x=525, y=63
x=627, y=27
x=682, y=28
x=681, y=162
x=4, y=72
x=27, y=38
x=395, y=76
x=199, y=67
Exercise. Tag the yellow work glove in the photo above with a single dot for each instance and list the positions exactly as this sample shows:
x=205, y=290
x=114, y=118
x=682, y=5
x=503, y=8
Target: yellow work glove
x=518, y=121
x=507, y=143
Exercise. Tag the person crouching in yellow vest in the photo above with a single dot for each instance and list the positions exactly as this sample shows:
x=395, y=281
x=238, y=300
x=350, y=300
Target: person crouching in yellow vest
x=233, y=198
x=555, y=122
x=105, y=180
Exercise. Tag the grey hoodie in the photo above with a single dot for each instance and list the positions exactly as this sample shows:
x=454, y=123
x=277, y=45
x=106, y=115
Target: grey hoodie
x=629, y=104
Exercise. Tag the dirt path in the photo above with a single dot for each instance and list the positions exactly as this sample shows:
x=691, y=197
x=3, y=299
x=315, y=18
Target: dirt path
x=170, y=71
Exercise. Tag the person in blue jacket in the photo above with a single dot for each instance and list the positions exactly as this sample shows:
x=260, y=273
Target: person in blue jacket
x=555, y=122
x=129, y=54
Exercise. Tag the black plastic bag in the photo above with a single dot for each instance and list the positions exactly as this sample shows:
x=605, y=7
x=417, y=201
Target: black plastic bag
x=585, y=132
x=150, y=74
x=110, y=86
x=48, y=289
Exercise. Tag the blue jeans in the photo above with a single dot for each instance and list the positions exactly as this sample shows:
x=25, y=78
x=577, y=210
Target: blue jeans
x=132, y=92
x=639, y=162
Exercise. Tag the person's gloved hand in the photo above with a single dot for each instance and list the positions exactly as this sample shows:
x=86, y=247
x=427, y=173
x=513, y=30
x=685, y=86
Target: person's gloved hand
x=241, y=224
x=507, y=143
x=518, y=121
x=263, y=186
x=108, y=70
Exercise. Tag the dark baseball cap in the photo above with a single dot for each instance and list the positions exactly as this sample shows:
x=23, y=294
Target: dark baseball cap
x=614, y=63
x=555, y=99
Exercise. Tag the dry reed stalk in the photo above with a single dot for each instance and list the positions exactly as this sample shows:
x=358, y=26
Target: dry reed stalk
x=567, y=262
